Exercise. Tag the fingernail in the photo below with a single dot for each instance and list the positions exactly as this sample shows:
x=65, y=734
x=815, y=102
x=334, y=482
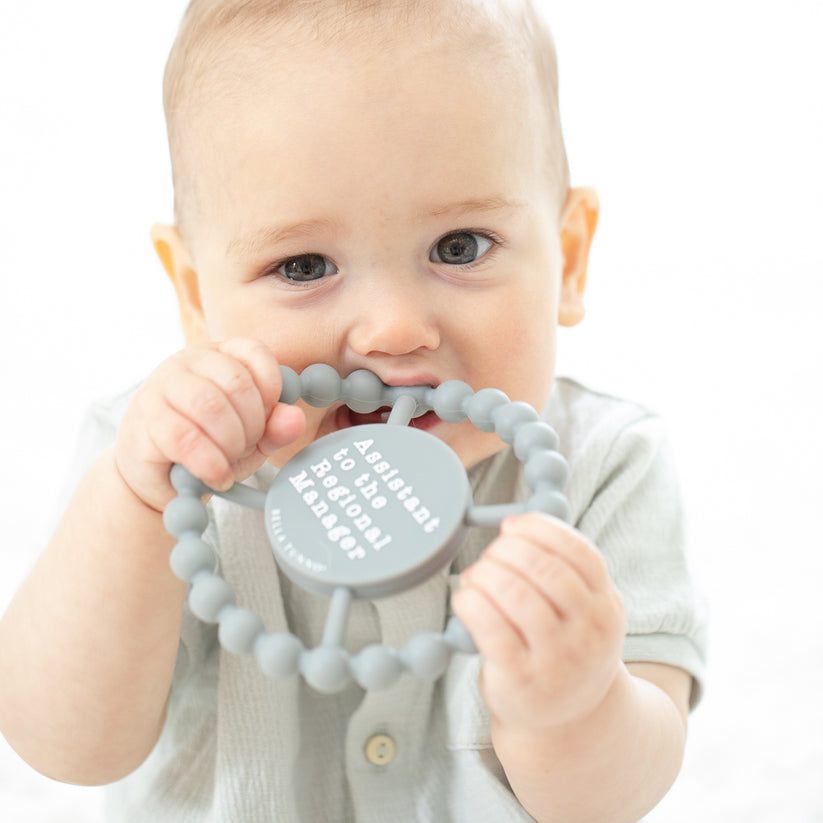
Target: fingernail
x=514, y=519
x=223, y=485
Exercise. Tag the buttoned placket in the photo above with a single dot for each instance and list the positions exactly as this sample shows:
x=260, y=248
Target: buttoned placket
x=386, y=736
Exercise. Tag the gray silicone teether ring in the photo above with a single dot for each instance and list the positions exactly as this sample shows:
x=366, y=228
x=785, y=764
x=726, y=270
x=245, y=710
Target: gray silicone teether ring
x=362, y=513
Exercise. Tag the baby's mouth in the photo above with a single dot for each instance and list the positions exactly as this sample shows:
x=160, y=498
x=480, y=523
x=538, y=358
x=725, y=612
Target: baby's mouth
x=344, y=418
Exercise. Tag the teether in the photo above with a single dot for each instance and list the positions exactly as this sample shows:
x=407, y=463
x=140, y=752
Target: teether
x=365, y=512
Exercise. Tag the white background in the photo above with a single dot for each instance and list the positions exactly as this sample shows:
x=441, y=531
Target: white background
x=701, y=126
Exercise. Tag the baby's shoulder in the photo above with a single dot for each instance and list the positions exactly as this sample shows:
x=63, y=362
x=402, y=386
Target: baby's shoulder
x=579, y=411
x=610, y=442
x=599, y=430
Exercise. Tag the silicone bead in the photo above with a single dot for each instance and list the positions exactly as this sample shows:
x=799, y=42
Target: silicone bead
x=376, y=667
x=533, y=436
x=209, y=595
x=278, y=655
x=321, y=385
x=290, y=393
x=191, y=556
x=509, y=419
x=550, y=502
x=238, y=630
x=185, y=514
x=448, y=399
x=392, y=394
x=426, y=655
x=362, y=391
x=458, y=637
x=480, y=407
x=186, y=483
x=546, y=468
x=326, y=668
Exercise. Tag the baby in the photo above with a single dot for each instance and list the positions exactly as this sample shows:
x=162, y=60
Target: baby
x=382, y=186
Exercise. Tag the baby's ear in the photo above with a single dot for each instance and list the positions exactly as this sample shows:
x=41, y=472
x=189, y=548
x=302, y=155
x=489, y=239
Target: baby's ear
x=577, y=225
x=170, y=248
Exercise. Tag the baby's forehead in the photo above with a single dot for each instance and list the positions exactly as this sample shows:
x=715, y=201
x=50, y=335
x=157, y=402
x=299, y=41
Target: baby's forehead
x=225, y=49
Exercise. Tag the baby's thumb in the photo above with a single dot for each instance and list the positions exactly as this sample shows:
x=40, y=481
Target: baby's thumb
x=285, y=424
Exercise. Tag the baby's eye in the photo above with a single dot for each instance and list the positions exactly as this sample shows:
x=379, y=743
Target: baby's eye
x=306, y=267
x=460, y=248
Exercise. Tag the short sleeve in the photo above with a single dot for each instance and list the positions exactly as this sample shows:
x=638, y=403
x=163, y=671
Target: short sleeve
x=624, y=495
x=635, y=517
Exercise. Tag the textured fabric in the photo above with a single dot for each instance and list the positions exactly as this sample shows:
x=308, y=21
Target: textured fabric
x=239, y=747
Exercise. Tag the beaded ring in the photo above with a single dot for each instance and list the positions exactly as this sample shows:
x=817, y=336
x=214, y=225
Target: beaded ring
x=364, y=512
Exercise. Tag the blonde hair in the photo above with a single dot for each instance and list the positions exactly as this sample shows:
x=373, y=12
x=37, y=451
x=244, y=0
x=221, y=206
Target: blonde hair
x=199, y=58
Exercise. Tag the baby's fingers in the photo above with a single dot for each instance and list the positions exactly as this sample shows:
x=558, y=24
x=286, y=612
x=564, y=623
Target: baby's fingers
x=564, y=541
x=280, y=424
x=528, y=606
x=550, y=574
x=261, y=366
x=218, y=397
x=494, y=634
x=229, y=391
x=179, y=440
x=285, y=424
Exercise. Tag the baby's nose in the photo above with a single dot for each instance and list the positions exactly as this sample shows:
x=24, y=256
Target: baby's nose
x=393, y=318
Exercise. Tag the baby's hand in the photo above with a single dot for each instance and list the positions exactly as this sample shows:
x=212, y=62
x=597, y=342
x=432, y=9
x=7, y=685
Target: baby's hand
x=550, y=623
x=212, y=408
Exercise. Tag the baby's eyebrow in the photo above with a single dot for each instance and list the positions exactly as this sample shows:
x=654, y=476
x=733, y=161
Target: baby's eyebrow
x=257, y=241
x=476, y=204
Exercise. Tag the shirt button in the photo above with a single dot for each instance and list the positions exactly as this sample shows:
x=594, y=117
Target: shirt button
x=379, y=749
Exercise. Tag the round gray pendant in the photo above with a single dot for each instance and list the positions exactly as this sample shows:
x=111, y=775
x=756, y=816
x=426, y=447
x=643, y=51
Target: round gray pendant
x=376, y=509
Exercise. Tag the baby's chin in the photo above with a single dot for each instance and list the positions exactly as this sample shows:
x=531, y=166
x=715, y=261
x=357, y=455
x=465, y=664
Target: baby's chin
x=474, y=446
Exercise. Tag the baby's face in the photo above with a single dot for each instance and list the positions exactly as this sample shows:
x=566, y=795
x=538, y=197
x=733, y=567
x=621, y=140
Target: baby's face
x=388, y=212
